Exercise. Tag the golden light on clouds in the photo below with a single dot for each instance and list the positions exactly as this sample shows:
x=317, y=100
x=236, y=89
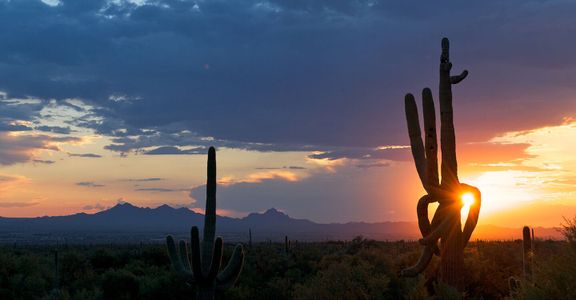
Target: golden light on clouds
x=544, y=178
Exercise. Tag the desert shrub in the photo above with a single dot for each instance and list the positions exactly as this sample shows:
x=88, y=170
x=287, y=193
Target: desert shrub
x=120, y=284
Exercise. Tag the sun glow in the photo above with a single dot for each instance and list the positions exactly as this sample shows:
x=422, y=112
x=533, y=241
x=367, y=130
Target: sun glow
x=467, y=201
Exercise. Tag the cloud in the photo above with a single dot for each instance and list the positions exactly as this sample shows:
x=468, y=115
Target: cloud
x=40, y=161
x=22, y=148
x=54, y=129
x=89, y=184
x=399, y=153
x=14, y=127
x=373, y=165
x=9, y=178
x=156, y=189
x=284, y=167
x=88, y=155
x=290, y=68
x=169, y=150
x=17, y=204
x=351, y=194
x=97, y=206
x=144, y=179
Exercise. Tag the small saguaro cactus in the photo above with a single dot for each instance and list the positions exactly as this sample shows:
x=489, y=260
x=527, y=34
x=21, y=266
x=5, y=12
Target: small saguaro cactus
x=527, y=253
x=202, y=268
x=56, y=288
x=445, y=224
x=250, y=238
x=286, y=244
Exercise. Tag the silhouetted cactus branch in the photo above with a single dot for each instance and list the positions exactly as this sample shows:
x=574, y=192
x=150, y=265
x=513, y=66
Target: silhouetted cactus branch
x=445, y=224
x=201, y=268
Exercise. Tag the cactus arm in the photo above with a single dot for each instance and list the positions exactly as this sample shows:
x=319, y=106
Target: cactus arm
x=173, y=254
x=184, y=260
x=423, y=222
x=430, y=140
x=195, y=255
x=447, y=136
x=216, y=260
x=176, y=260
x=415, y=136
x=473, y=214
x=229, y=275
x=457, y=78
x=436, y=232
x=422, y=213
x=422, y=263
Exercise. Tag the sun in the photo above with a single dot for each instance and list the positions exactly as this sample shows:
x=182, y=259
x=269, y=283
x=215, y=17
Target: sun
x=467, y=199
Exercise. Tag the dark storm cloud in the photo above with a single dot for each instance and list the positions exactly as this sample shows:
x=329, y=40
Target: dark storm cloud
x=14, y=127
x=169, y=150
x=54, y=129
x=288, y=74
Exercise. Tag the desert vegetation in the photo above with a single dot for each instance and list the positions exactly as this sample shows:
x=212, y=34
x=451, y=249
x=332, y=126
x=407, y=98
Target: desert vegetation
x=357, y=269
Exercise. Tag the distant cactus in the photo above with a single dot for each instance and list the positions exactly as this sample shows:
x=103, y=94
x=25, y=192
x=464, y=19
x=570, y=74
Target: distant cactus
x=56, y=288
x=527, y=253
x=286, y=244
x=445, y=224
x=202, y=268
x=514, y=286
x=250, y=238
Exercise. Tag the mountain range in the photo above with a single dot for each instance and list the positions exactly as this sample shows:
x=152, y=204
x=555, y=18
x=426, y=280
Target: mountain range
x=125, y=220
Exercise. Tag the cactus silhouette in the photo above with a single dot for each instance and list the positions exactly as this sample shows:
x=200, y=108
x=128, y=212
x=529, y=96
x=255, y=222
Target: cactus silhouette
x=445, y=224
x=202, y=268
x=527, y=253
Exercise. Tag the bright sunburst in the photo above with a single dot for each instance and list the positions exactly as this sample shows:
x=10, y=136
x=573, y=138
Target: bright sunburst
x=467, y=199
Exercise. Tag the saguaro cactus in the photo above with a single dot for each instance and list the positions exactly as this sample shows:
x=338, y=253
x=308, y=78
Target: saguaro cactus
x=203, y=270
x=527, y=253
x=56, y=283
x=445, y=224
x=286, y=244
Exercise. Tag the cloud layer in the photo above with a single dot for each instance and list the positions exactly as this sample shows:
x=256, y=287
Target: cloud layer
x=285, y=73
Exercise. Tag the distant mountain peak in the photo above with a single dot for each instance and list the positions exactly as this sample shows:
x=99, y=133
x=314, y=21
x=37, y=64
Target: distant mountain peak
x=124, y=205
x=273, y=211
x=165, y=207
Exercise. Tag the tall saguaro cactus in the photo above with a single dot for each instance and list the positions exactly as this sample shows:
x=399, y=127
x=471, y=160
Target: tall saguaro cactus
x=527, y=252
x=445, y=225
x=204, y=269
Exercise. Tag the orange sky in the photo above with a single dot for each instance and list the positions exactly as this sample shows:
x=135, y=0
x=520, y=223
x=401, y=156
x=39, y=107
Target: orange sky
x=526, y=178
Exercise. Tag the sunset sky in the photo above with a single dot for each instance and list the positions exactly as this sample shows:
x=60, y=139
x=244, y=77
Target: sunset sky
x=114, y=101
